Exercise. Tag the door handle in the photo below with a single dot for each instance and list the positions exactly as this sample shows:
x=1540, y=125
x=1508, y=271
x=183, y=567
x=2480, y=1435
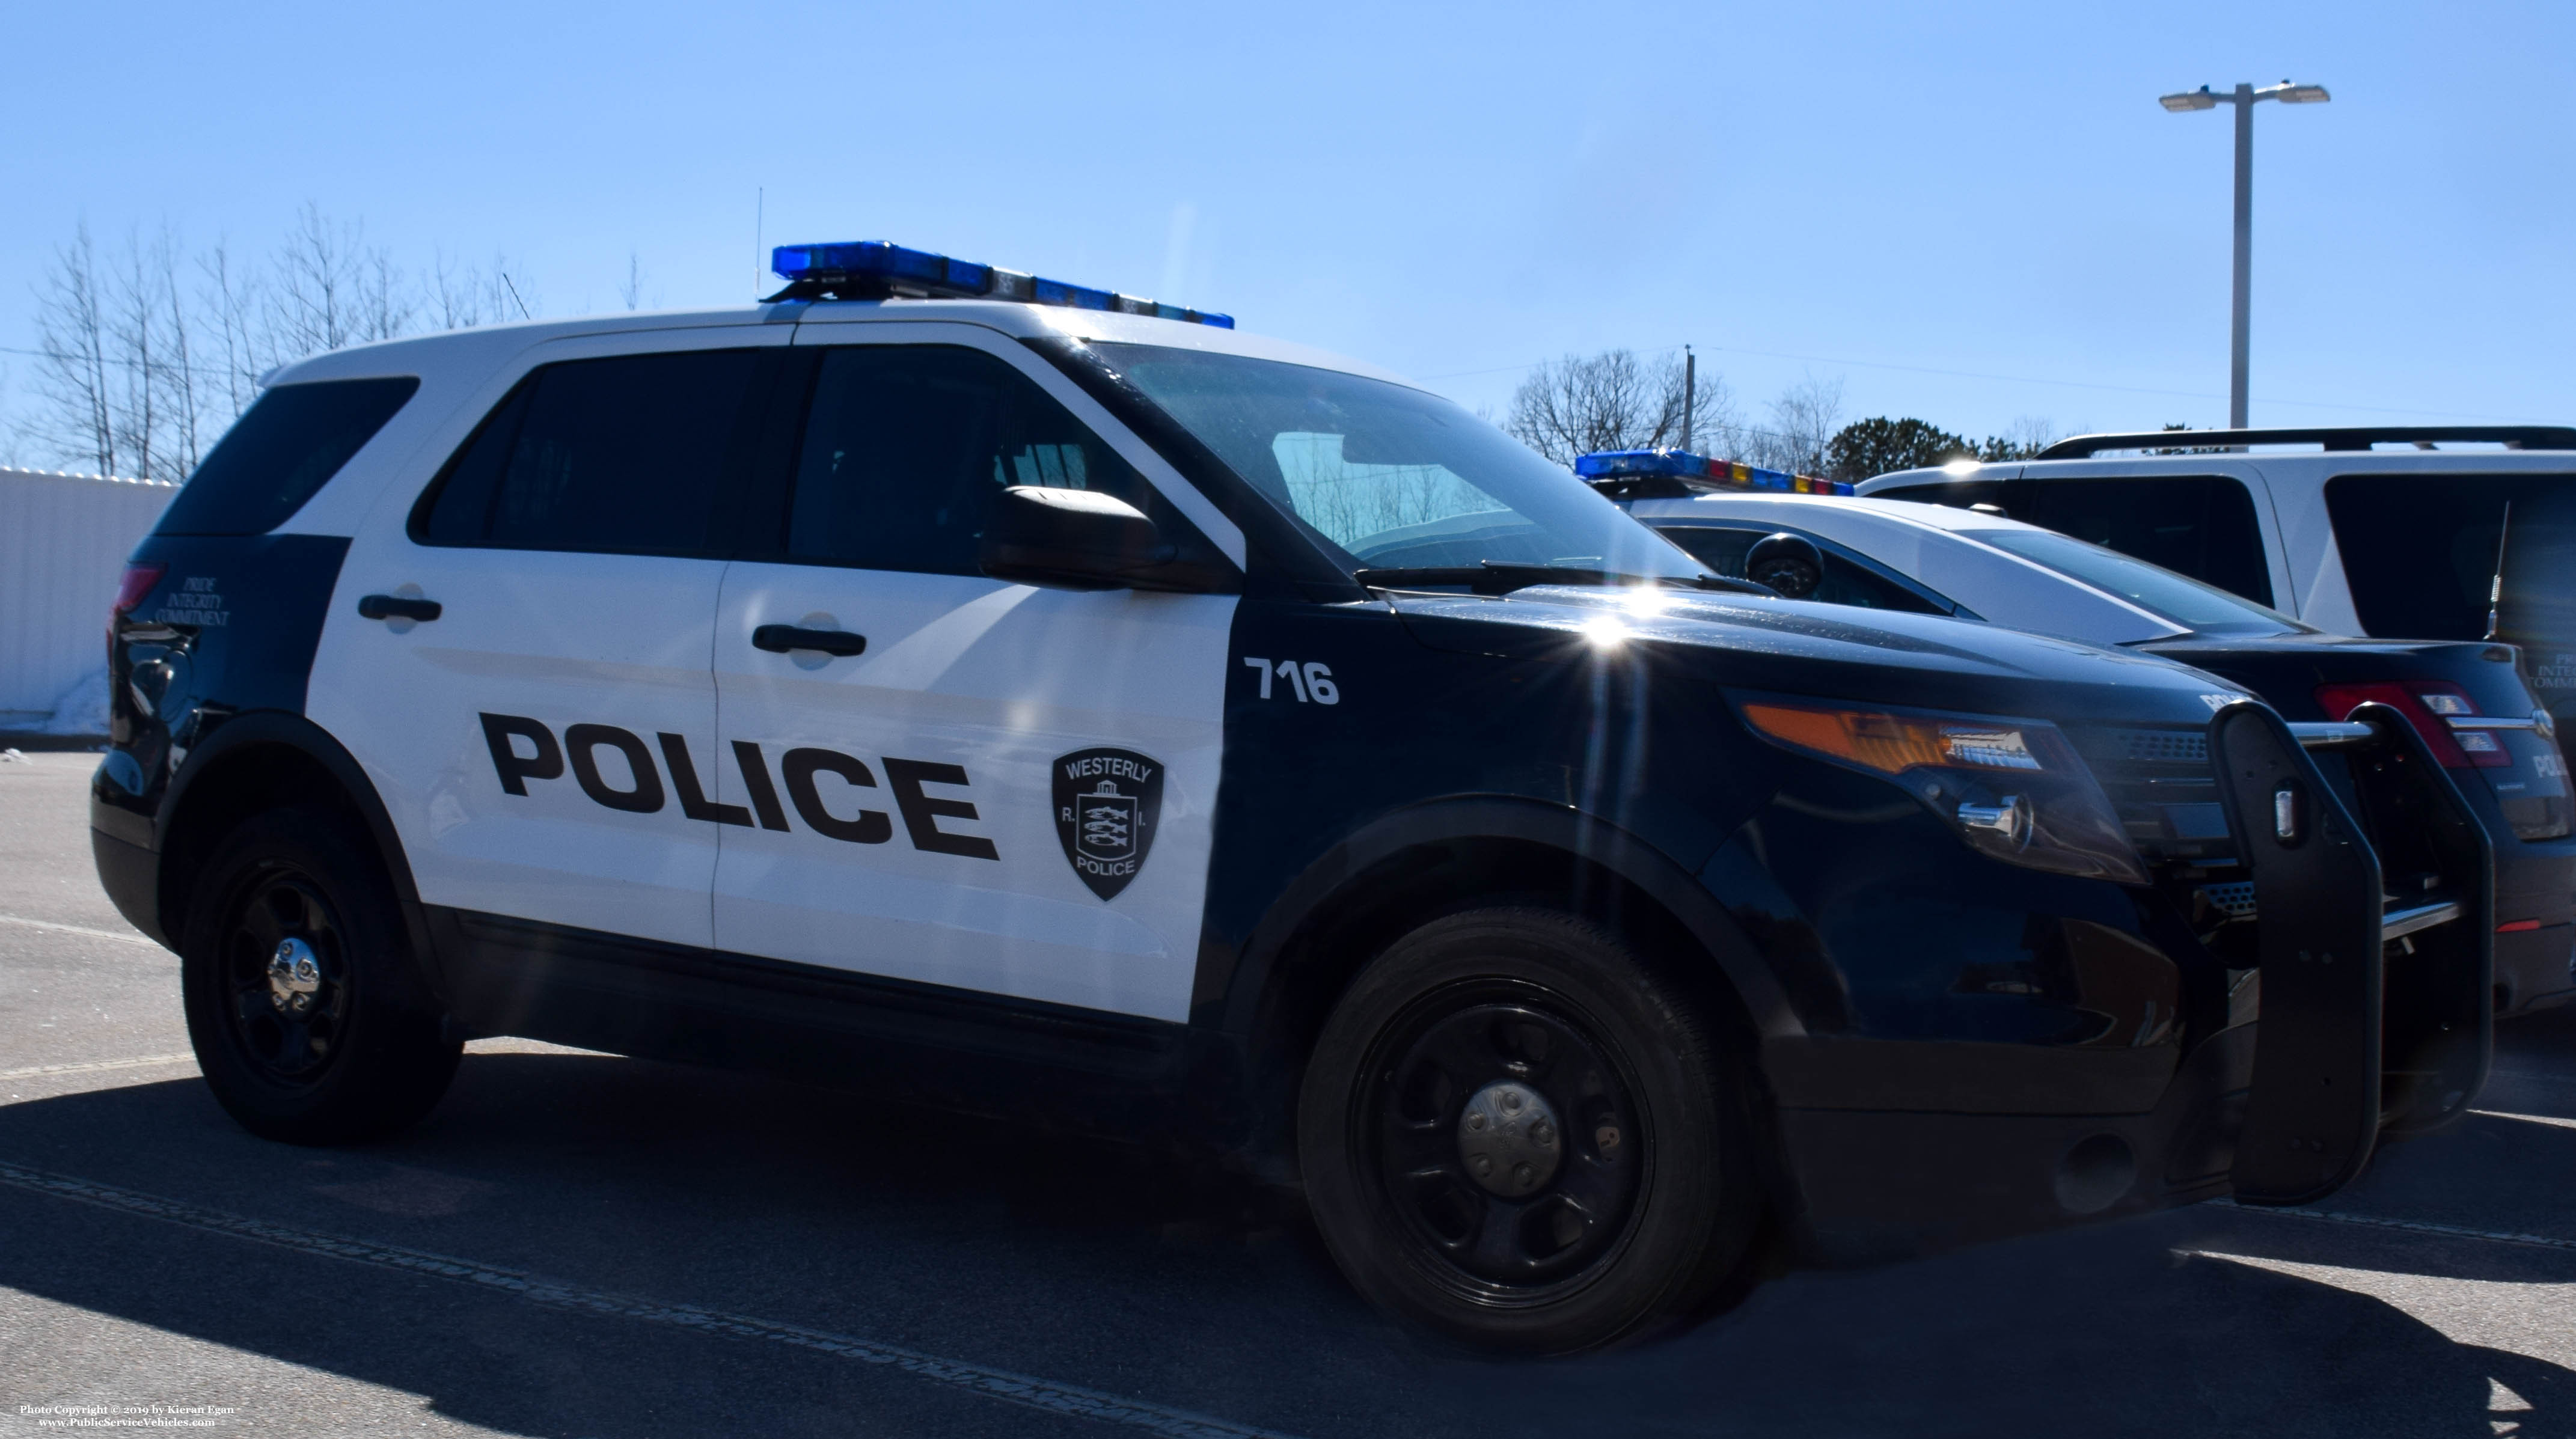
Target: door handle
x=393, y=607
x=779, y=639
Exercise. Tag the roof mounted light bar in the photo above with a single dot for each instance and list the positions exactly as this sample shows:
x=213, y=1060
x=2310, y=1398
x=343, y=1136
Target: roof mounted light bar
x=2333, y=437
x=1678, y=474
x=876, y=270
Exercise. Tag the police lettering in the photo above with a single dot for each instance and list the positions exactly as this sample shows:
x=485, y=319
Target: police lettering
x=524, y=749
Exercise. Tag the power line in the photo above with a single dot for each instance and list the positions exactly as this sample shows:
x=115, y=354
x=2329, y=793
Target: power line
x=121, y=360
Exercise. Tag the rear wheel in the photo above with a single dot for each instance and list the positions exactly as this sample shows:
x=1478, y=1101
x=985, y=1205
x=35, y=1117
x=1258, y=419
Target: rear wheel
x=301, y=1006
x=1515, y=1131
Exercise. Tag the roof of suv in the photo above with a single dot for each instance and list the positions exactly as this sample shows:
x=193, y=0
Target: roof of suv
x=2326, y=460
x=1017, y=320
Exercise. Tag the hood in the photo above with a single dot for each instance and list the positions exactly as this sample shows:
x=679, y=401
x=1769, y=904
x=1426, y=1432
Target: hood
x=1828, y=651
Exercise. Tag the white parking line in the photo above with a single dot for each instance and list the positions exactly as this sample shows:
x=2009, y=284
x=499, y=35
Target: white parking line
x=976, y=1378
x=80, y=930
x=2411, y=1226
x=2527, y=1118
x=97, y=1064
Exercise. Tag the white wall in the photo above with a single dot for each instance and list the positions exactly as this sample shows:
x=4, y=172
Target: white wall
x=63, y=542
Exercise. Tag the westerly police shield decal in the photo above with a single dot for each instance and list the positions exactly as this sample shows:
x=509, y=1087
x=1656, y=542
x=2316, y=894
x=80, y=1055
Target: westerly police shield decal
x=1107, y=802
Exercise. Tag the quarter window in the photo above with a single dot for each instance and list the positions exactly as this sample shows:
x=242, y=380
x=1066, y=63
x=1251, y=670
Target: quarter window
x=2420, y=553
x=279, y=453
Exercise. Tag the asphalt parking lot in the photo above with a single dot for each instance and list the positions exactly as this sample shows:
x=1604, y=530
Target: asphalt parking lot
x=582, y=1245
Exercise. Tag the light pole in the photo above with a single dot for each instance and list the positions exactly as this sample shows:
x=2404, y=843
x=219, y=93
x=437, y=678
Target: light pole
x=2243, y=98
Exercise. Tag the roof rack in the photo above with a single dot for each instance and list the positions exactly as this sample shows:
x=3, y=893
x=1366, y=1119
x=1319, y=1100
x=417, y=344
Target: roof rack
x=2333, y=437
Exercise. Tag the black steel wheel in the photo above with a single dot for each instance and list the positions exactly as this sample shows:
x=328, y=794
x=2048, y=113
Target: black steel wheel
x=287, y=976
x=1507, y=1139
x=309, y=1020
x=1514, y=1130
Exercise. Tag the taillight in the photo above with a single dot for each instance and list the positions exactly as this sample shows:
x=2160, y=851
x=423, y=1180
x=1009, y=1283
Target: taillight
x=138, y=582
x=2428, y=705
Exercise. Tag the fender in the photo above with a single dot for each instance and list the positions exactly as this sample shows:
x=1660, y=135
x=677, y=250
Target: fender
x=293, y=731
x=1487, y=817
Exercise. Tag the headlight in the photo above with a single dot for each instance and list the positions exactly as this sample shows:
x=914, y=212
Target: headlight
x=2012, y=788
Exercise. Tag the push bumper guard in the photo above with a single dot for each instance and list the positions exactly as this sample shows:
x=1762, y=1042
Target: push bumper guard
x=2375, y=1005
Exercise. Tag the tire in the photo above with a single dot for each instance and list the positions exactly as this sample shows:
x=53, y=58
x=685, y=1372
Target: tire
x=341, y=1046
x=1513, y=1131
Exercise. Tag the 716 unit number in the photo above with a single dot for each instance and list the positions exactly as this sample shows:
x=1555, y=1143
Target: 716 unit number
x=1311, y=681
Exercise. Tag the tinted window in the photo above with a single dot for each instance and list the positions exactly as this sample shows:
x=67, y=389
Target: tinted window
x=2420, y=553
x=2198, y=525
x=282, y=450
x=627, y=455
x=1845, y=583
x=2420, y=550
x=2202, y=526
x=907, y=446
x=2179, y=598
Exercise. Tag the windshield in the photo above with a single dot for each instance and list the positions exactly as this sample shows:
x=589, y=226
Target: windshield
x=2179, y=598
x=1393, y=478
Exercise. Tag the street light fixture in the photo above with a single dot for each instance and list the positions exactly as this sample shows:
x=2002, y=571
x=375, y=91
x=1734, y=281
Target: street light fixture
x=2243, y=98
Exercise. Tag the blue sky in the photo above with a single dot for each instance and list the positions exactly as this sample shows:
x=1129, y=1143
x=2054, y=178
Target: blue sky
x=1969, y=213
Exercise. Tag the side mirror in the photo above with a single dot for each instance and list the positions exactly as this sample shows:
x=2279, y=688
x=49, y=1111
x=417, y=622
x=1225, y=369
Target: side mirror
x=1790, y=564
x=1086, y=540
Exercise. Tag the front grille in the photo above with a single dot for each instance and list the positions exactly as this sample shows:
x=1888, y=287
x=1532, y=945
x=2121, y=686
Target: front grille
x=2235, y=900
x=2163, y=746
x=2160, y=783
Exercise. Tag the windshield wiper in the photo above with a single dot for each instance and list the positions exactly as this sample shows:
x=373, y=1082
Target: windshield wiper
x=1496, y=577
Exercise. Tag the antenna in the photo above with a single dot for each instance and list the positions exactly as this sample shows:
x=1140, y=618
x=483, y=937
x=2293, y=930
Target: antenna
x=759, y=231
x=514, y=295
x=2495, y=586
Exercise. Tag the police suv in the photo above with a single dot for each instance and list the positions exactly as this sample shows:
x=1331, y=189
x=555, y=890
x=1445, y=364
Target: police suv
x=1006, y=694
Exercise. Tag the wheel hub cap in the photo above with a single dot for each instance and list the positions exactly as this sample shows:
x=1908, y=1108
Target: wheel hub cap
x=294, y=976
x=1509, y=1139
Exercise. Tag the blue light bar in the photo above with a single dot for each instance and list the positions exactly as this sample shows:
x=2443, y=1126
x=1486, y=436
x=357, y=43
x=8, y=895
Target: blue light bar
x=1700, y=469
x=874, y=265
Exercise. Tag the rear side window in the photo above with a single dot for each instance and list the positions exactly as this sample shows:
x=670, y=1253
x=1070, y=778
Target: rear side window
x=2420, y=553
x=2199, y=525
x=628, y=455
x=1845, y=583
x=280, y=452
x=907, y=446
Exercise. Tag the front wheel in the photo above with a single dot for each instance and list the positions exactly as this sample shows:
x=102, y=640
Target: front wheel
x=301, y=1007
x=1513, y=1130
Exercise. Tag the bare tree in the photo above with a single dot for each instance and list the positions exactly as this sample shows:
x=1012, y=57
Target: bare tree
x=231, y=301
x=1804, y=420
x=2034, y=433
x=462, y=296
x=1614, y=401
x=75, y=420
x=157, y=406
x=632, y=289
x=330, y=288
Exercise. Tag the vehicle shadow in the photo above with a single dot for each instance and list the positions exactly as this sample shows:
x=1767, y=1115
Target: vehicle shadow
x=1123, y=1271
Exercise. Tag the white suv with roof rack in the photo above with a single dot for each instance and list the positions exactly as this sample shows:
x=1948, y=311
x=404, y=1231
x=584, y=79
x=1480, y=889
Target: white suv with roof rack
x=2416, y=532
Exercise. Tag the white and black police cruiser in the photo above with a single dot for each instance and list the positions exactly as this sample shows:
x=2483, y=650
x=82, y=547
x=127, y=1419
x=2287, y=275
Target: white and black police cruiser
x=974, y=688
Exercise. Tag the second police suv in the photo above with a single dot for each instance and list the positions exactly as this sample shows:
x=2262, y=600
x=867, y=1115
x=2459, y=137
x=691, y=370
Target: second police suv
x=969, y=687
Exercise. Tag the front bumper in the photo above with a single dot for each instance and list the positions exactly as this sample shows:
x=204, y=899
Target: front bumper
x=2362, y=1015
